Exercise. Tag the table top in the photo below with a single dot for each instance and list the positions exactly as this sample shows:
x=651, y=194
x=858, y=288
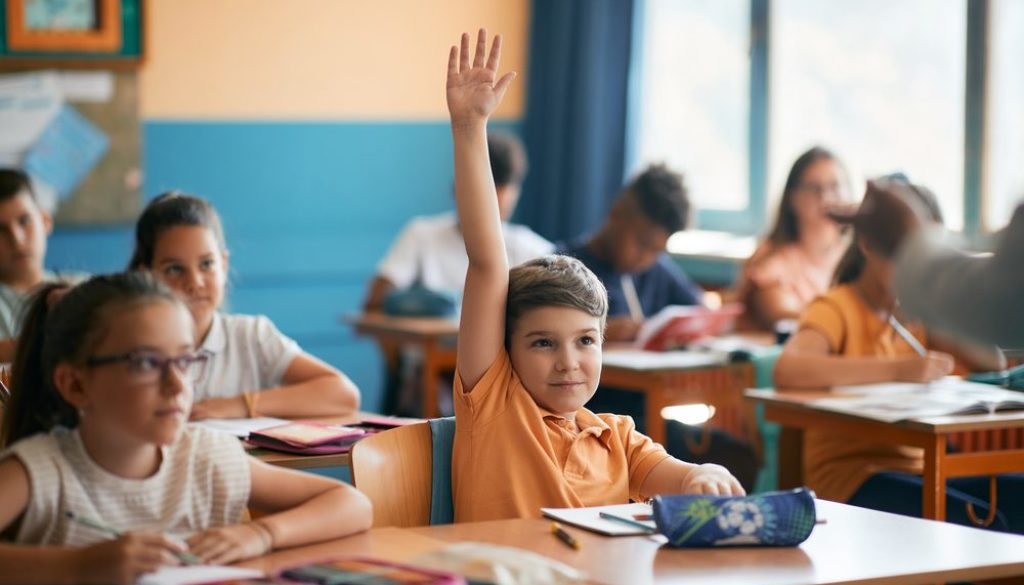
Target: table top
x=856, y=545
x=804, y=401
x=376, y=323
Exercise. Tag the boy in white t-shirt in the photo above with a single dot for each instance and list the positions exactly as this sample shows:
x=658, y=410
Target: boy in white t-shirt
x=430, y=248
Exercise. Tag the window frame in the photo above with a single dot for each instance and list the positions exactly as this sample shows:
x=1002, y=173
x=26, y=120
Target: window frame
x=753, y=220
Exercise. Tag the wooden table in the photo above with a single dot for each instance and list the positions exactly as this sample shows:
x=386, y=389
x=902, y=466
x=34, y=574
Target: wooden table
x=435, y=338
x=719, y=384
x=795, y=411
x=855, y=546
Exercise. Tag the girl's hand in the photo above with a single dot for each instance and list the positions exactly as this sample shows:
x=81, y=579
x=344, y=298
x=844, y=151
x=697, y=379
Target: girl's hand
x=472, y=92
x=226, y=544
x=124, y=560
x=932, y=366
x=219, y=408
x=713, y=480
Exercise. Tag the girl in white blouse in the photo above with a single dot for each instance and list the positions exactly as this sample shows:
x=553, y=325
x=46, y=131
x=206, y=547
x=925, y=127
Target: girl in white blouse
x=96, y=431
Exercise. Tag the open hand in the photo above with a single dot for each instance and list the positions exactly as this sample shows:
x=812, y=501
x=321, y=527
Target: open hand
x=471, y=89
x=889, y=213
x=712, y=480
x=226, y=544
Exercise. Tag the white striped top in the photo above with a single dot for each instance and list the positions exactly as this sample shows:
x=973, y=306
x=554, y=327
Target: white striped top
x=203, y=482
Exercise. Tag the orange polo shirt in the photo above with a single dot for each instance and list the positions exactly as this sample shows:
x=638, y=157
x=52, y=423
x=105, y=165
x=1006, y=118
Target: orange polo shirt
x=512, y=457
x=836, y=465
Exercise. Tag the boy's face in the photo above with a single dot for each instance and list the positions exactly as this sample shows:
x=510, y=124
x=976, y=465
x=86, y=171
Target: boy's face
x=557, y=353
x=639, y=243
x=23, y=230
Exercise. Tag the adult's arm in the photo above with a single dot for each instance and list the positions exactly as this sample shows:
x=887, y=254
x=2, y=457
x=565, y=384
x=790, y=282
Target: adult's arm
x=978, y=297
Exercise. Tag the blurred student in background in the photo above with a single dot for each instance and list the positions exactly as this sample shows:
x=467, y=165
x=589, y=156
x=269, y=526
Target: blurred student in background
x=794, y=264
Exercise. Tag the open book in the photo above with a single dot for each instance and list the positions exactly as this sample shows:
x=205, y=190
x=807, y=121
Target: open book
x=677, y=326
x=901, y=401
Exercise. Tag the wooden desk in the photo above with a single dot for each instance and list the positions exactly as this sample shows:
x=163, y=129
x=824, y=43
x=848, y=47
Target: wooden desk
x=435, y=337
x=720, y=384
x=796, y=413
x=855, y=546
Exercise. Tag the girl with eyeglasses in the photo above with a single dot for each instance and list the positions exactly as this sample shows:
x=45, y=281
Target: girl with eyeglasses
x=102, y=480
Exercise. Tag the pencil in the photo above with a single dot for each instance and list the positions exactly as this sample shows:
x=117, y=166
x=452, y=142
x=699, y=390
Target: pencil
x=907, y=336
x=564, y=536
x=627, y=521
x=186, y=558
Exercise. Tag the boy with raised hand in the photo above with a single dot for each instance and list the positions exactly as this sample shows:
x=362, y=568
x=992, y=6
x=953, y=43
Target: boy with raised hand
x=529, y=355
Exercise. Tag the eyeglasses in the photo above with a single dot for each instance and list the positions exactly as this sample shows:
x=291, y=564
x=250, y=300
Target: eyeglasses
x=151, y=367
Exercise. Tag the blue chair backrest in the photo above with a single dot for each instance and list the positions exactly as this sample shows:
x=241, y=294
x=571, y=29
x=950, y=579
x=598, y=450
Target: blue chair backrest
x=442, y=436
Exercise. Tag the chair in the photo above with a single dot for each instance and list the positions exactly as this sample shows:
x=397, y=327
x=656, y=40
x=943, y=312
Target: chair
x=406, y=473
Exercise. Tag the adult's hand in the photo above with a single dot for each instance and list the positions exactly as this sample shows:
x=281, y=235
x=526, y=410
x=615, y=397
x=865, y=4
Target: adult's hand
x=888, y=215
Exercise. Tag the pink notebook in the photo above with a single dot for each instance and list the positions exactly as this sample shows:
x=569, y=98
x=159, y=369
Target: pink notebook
x=307, y=438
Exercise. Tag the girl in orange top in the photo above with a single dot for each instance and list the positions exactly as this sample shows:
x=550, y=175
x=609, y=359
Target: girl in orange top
x=796, y=261
x=845, y=337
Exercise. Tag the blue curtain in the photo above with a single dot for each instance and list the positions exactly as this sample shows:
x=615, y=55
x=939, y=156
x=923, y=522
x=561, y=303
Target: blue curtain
x=575, y=125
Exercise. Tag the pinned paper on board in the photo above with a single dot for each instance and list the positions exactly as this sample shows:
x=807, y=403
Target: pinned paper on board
x=68, y=149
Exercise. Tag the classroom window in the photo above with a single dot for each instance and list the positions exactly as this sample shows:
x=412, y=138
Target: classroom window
x=694, y=80
x=1004, y=149
x=880, y=82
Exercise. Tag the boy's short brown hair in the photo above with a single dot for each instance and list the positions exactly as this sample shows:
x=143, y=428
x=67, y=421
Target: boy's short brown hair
x=554, y=280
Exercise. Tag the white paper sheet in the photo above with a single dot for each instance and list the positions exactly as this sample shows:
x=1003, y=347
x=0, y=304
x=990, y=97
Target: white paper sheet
x=28, y=103
x=241, y=427
x=196, y=574
x=590, y=518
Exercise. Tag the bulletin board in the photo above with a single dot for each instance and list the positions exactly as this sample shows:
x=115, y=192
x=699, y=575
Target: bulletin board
x=111, y=192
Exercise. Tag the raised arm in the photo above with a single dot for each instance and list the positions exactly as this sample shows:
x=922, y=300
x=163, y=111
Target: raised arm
x=472, y=95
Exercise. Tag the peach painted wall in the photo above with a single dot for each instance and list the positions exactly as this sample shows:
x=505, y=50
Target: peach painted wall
x=316, y=59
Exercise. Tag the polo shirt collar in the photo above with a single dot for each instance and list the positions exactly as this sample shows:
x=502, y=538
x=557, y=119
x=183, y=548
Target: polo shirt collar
x=217, y=338
x=588, y=423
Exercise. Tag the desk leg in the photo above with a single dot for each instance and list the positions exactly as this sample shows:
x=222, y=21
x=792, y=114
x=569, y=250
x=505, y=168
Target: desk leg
x=934, y=497
x=653, y=403
x=428, y=382
x=791, y=458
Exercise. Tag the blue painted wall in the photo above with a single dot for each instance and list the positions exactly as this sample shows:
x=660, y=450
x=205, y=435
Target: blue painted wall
x=308, y=210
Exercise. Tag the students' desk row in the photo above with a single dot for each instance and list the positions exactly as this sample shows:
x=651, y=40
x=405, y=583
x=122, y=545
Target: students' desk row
x=855, y=546
x=795, y=411
x=434, y=337
x=662, y=384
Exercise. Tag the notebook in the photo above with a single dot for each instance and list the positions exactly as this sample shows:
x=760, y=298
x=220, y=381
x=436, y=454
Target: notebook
x=891, y=402
x=590, y=518
x=678, y=326
x=307, y=438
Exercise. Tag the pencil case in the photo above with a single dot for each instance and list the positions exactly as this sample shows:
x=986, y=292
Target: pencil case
x=1012, y=378
x=783, y=518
